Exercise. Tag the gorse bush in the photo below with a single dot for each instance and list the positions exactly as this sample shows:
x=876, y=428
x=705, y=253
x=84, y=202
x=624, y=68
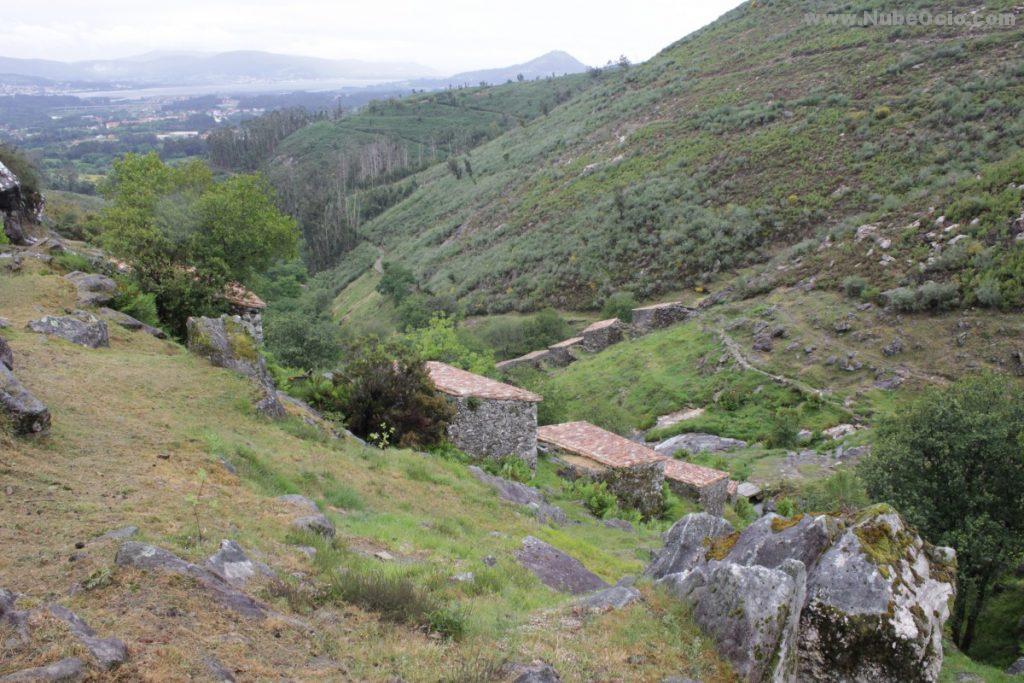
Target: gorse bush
x=596, y=497
x=619, y=305
x=134, y=302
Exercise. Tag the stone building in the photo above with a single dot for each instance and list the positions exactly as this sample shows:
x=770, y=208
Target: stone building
x=602, y=334
x=633, y=472
x=534, y=359
x=654, y=317
x=247, y=306
x=561, y=354
x=492, y=419
x=709, y=487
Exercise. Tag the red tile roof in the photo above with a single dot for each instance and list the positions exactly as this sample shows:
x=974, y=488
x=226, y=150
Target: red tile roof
x=601, y=324
x=567, y=343
x=611, y=450
x=594, y=443
x=688, y=473
x=456, y=382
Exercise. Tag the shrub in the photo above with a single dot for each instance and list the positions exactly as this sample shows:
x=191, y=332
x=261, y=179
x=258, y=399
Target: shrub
x=387, y=384
x=842, y=492
x=854, y=286
x=745, y=510
x=509, y=467
x=134, y=302
x=988, y=293
x=300, y=340
x=785, y=507
x=70, y=261
x=619, y=305
x=397, y=282
x=395, y=598
x=596, y=497
x=512, y=337
x=784, y=427
x=903, y=299
x=938, y=296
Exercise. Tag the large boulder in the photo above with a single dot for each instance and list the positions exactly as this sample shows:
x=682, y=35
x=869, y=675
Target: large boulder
x=68, y=669
x=130, y=323
x=79, y=327
x=229, y=342
x=557, y=570
x=93, y=289
x=876, y=604
x=752, y=612
x=696, y=442
x=109, y=652
x=19, y=408
x=18, y=206
x=686, y=544
x=231, y=562
x=871, y=597
x=521, y=494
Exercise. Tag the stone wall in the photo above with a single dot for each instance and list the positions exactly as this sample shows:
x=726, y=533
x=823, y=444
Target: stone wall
x=655, y=317
x=599, y=339
x=638, y=487
x=488, y=428
x=711, y=498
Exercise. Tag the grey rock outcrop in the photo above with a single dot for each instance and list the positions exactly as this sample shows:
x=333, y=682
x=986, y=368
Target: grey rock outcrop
x=613, y=598
x=686, y=543
x=80, y=328
x=151, y=558
x=18, y=206
x=93, y=289
x=130, y=323
x=229, y=342
x=231, y=563
x=534, y=672
x=13, y=620
x=25, y=413
x=557, y=570
x=521, y=494
x=317, y=524
x=822, y=598
x=6, y=355
x=68, y=669
x=109, y=653
x=752, y=612
x=299, y=501
x=1017, y=668
x=695, y=442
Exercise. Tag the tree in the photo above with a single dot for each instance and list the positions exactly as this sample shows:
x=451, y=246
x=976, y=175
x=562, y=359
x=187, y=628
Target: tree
x=300, y=340
x=385, y=387
x=439, y=340
x=396, y=282
x=953, y=463
x=186, y=236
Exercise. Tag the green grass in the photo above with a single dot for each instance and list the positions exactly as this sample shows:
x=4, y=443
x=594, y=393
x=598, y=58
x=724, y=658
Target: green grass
x=1000, y=634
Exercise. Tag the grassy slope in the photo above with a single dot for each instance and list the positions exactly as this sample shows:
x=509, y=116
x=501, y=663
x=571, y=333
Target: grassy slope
x=755, y=131
x=134, y=427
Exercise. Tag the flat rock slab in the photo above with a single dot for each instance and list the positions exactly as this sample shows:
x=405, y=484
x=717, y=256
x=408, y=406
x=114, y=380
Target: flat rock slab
x=299, y=502
x=130, y=323
x=27, y=414
x=612, y=598
x=231, y=562
x=70, y=669
x=142, y=556
x=696, y=442
x=521, y=494
x=80, y=328
x=557, y=570
x=317, y=524
x=109, y=653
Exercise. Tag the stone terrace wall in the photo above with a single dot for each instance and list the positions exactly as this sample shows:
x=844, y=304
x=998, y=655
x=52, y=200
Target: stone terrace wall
x=489, y=428
x=657, y=316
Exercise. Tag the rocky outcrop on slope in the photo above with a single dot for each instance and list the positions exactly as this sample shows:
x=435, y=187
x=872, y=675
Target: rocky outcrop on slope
x=24, y=413
x=557, y=570
x=228, y=342
x=814, y=598
x=18, y=206
x=79, y=327
x=521, y=494
x=93, y=289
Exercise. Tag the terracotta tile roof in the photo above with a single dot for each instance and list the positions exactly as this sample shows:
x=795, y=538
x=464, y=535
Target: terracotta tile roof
x=594, y=443
x=567, y=343
x=688, y=473
x=456, y=382
x=601, y=324
x=238, y=295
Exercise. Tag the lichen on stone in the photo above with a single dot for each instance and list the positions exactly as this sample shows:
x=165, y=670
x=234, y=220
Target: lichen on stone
x=719, y=547
x=783, y=523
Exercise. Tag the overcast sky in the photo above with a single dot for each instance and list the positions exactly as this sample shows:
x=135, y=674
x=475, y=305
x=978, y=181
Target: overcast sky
x=448, y=35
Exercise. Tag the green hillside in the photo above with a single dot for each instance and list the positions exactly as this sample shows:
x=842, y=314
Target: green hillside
x=756, y=132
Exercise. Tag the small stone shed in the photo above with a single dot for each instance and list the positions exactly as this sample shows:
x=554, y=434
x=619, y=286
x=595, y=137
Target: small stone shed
x=707, y=486
x=633, y=472
x=561, y=354
x=534, y=359
x=602, y=334
x=492, y=419
x=654, y=317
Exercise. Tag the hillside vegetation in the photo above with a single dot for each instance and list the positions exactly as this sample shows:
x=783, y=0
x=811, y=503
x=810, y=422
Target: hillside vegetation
x=754, y=133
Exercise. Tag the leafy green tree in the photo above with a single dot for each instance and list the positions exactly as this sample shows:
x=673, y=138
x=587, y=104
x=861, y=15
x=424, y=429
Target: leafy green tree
x=397, y=282
x=953, y=463
x=186, y=236
x=300, y=340
x=440, y=341
x=619, y=305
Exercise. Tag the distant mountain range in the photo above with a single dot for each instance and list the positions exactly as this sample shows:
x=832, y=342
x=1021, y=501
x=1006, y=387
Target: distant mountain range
x=170, y=68
x=186, y=68
x=556, y=62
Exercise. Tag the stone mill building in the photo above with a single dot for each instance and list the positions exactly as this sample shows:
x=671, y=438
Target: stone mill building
x=492, y=419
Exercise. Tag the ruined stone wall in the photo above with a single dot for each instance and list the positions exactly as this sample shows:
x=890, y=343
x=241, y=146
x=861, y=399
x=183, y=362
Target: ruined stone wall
x=600, y=339
x=711, y=497
x=492, y=429
x=651, y=318
x=638, y=487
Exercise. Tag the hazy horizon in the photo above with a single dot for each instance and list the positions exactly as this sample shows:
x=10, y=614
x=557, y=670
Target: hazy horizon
x=449, y=36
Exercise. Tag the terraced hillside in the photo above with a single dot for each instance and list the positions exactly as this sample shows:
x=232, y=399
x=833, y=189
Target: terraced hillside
x=752, y=134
